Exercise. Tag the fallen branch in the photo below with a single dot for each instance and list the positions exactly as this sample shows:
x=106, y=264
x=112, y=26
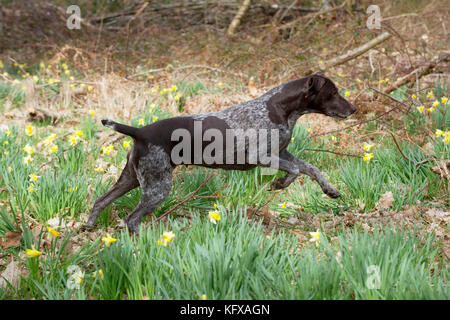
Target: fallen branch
x=237, y=19
x=352, y=54
x=180, y=203
x=337, y=153
x=417, y=73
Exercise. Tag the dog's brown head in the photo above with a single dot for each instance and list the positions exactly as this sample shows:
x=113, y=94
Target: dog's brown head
x=313, y=94
x=325, y=98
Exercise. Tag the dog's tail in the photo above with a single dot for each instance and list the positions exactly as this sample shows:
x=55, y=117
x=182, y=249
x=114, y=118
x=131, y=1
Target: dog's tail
x=122, y=128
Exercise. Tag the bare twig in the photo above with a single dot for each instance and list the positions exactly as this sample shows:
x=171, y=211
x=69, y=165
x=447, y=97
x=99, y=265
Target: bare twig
x=417, y=73
x=334, y=152
x=180, y=203
x=352, y=54
x=237, y=19
x=240, y=75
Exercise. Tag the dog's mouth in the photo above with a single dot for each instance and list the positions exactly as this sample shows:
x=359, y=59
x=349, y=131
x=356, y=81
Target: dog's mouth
x=337, y=116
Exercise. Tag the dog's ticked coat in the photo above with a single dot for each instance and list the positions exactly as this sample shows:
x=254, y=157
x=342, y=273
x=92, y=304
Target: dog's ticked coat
x=150, y=165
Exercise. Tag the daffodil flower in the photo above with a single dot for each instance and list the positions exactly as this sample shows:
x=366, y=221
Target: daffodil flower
x=34, y=177
x=31, y=187
x=347, y=94
x=367, y=146
x=126, y=144
x=100, y=272
x=91, y=112
x=435, y=103
x=420, y=109
x=431, y=109
x=29, y=130
x=446, y=139
x=53, y=148
x=27, y=160
x=7, y=131
x=166, y=238
x=214, y=216
x=99, y=169
x=315, y=237
x=141, y=122
x=439, y=133
x=31, y=253
x=108, y=240
x=444, y=100
x=414, y=96
x=283, y=205
x=108, y=149
x=367, y=157
x=430, y=95
x=154, y=118
x=53, y=232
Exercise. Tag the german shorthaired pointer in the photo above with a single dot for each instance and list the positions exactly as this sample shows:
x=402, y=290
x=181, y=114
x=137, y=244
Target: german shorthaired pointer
x=150, y=162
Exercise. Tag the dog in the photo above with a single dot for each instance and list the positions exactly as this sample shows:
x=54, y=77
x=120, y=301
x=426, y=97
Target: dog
x=151, y=160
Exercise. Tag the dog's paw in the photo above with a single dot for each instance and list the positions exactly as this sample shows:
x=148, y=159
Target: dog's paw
x=276, y=185
x=332, y=193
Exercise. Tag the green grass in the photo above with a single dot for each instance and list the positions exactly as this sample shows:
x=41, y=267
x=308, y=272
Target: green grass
x=237, y=258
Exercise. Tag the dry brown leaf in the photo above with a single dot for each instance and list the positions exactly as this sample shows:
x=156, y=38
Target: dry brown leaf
x=12, y=239
x=385, y=201
x=11, y=275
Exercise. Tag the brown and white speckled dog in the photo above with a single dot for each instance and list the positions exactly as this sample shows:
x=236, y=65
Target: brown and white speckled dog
x=150, y=164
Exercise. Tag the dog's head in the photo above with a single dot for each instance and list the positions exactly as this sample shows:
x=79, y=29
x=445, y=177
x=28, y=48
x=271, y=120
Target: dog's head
x=313, y=94
x=325, y=98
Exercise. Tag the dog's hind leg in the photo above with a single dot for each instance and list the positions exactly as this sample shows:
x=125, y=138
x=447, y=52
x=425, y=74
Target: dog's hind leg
x=127, y=181
x=155, y=178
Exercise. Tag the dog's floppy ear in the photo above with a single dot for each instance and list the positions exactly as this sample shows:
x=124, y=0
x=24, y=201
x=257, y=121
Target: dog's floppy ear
x=291, y=97
x=315, y=84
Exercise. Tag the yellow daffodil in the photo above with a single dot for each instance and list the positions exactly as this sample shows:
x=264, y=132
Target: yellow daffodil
x=141, y=122
x=367, y=146
x=309, y=130
x=431, y=109
x=7, y=131
x=215, y=205
x=100, y=272
x=154, y=118
x=1, y=64
x=48, y=140
x=414, y=96
x=151, y=107
x=66, y=72
x=31, y=253
x=203, y=296
x=446, y=139
x=283, y=205
x=220, y=83
x=64, y=66
x=29, y=130
x=9, y=168
x=381, y=81
x=6, y=152
x=315, y=237
x=174, y=88
x=53, y=148
x=91, y=112
x=439, y=133
x=435, y=103
x=178, y=96
x=5, y=143
x=53, y=232
x=430, y=95
x=71, y=78
x=34, y=177
x=31, y=188
x=367, y=157
x=347, y=94
x=27, y=160
x=28, y=149
x=35, y=79
x=73, y=139
x=108, y=149
x=79, y=133
x=166, y=238
x=90, y=88
x=214, y=216
x=108, y=240
x=420, y=109
x=126, y=144
x=99, y=169
x=444, y=100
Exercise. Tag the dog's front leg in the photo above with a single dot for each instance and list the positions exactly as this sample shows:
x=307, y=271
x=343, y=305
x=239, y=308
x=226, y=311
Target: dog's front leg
x=303, y=167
